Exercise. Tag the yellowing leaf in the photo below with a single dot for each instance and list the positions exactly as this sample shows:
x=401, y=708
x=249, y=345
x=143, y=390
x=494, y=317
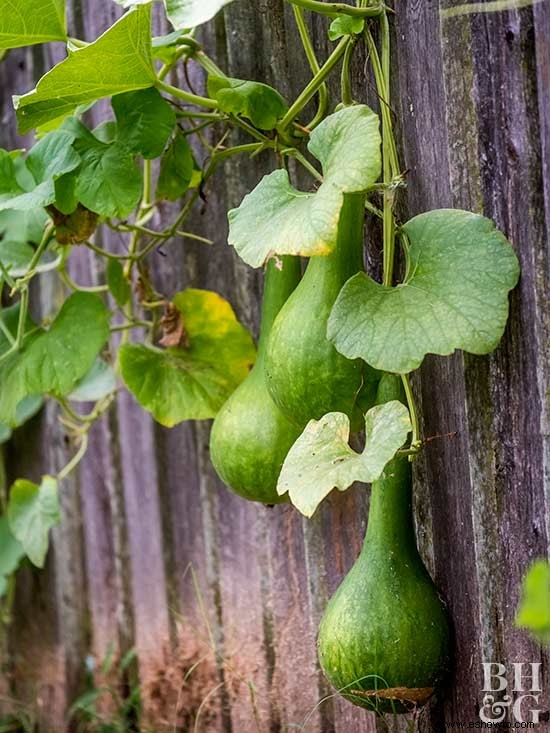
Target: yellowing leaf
x=322, y=459
x=178, y=383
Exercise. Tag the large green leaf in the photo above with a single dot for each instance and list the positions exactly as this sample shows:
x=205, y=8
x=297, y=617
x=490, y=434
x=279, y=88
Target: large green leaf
x=322, y=460
x=16, y=258
x=11, y=553
x=145, y=121
x=259, y=103
x=192, y=381
x=277, y=219
x=455, y=296
x=108, y=182
x=534, y=609
x=185, y=13
x=118, y=61
x=53, y=361
x=176, y=169
x=99, y=382
x=49, y=159
x=26, y=22
x=32, y=511
x=26, y=409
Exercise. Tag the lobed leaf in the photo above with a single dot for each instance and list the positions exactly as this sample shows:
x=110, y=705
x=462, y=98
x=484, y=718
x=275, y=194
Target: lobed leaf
x=322, y=459
x=118, y=61
x=176, y=169
x=259, y=103
x=192, y=383
x=455, y=296
x=107, y=182
x=99, y=382
x=32, y=511
x=345, y=25
x=51, y=158
x=145, y=121
x=185, y=13
x=53, y=361
x=278, y=219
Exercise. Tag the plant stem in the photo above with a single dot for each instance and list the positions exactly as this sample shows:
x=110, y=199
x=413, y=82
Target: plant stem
x=65, y=277
x=335, y=8
x=412, y=410
x=317, y=81
x=187, y=96
x=313, y=64
x=345, y=80
x=208, y=64
x=78, y=456
x=389, y=148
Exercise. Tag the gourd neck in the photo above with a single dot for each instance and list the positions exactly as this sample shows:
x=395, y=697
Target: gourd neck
x=282, y=275
x=347, y=258
x=390, y=529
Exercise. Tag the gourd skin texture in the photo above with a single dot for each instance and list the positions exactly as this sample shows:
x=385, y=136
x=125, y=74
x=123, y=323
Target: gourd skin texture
x=306, y=376
x=250, y=435
x=386, y=626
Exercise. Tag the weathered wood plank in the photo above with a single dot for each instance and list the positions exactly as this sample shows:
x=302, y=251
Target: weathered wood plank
x=472, y=102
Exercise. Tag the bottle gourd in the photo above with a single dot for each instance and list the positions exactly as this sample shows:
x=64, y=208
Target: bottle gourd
x=384, y=638
x=306, y=376
x=250, y=436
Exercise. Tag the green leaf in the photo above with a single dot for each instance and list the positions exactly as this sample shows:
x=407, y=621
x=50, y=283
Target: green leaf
x=26, y=409
x=345, y=25
x=11, y=551
x=179, y=383
x=259, y=103
x=26, y=22
x=32, y=511
x=176, y=169
x=534, y=609
x=455, y=296
x=53, y=361
x=185, y=13
x=165, y=47
x=16, y=257
x=277, y=219
x=118, y=61
x=190, y=13
x=145, y=121
x=49, y=159
x=99, y=382
x=22, y=226
x=108, y=182
x=322, y=460
x=118, y=285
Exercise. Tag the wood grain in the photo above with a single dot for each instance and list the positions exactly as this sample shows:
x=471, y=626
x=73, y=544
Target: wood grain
x=220, y=598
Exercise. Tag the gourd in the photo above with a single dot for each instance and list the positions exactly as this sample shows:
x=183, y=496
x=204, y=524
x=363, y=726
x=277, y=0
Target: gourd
x=250, y=436
x=306, y=376
x=384, y=638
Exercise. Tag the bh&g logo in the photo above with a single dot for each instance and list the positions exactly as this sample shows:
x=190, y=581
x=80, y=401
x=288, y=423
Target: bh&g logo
x=525, y=693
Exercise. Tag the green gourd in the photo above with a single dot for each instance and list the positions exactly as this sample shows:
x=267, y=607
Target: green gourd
x=307, y=377
x=384, y=639
x=250, y=436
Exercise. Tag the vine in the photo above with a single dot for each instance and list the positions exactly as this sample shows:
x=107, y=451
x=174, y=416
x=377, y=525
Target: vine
x=183, y=355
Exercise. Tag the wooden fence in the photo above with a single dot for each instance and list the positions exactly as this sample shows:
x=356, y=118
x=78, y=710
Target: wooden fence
x=221, y=598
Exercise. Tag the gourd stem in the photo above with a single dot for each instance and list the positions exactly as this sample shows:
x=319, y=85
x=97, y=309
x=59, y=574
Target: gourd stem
x=314, y=65
x=333, y=8
x=317, y=81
